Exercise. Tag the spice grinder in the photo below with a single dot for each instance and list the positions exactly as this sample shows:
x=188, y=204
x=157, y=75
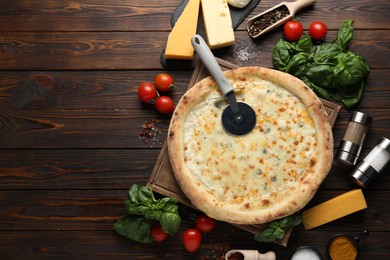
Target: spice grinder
x=354, y=138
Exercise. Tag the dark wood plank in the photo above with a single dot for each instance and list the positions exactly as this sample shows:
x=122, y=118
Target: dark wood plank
x=85, y=15
x=135, y=50
x=97, y=209
x=118, y=89
x=75, y=169
x=134, y=15
x=106, y=244
x=100, y=128
x=79, y=89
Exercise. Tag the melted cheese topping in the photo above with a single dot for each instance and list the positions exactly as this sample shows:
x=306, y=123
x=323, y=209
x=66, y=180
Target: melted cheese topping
x=250, y=169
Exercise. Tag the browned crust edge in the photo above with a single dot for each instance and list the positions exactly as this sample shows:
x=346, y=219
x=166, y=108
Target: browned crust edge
x=229, y=213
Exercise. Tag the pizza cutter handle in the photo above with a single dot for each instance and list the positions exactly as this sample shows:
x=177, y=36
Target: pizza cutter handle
x=211, y=63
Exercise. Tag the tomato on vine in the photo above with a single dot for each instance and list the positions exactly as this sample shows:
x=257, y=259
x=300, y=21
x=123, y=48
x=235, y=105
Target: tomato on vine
x=164, y=105
x=293, y=30
x=147, y=92
x=164, y=82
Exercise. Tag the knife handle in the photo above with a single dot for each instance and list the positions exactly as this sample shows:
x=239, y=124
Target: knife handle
x=211, y=63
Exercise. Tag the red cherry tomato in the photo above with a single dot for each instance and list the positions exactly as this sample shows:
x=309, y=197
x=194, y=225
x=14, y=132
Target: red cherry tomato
x=204, y=223
x=164, y=105
x=163, y=82
x=157, y=233
x=318, y=30
x=192, y=239
x=293, y=31
x=146, y=92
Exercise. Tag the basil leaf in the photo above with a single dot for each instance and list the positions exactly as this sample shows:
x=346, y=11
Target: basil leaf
x=164, y=202
x=146, y=196
x=345, y=34
x=304, y=44
x=133, y=194
x=325, y=52
x=290, y=221
x=270, y=234
x=297, y=64
x=135, y=228
x=276, y=228
x=171, y=208
x=350, y=69
x=352, y=95
x=321, y=75
x=143, y=209
x=170, y=223
x=281, y=55
x=324, y=93
x=134, y=209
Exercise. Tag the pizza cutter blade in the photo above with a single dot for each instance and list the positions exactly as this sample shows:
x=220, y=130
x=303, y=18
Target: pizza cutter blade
x=238, y=118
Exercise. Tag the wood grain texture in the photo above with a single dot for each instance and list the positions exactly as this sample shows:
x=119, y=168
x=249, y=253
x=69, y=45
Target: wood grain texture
x=135, y=50
x=134, y=15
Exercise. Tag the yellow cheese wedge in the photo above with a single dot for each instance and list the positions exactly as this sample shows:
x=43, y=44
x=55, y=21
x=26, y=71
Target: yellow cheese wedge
x=217, y=23
x=333, y=209
x=179, y=40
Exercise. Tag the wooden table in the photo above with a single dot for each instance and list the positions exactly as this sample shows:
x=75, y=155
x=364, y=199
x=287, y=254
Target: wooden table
x=70, y=121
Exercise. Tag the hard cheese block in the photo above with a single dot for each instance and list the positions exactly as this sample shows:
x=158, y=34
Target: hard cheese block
x=217, y=23
x=333, y=209
x=179, y=40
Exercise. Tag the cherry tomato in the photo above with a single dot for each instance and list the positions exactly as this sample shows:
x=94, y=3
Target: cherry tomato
x=164, y=105
x=146, y=92
x=318, y=30
x=157, y=233
x=204, y=223
x=192, y=239
x=293, y=30
x=163, y=82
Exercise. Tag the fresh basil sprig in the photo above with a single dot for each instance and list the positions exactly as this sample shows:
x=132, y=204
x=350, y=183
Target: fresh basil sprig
x=143, y=210
x=276, y=229
x=328, y=68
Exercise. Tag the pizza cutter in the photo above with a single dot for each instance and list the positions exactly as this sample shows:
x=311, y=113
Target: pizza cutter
x=238, y=118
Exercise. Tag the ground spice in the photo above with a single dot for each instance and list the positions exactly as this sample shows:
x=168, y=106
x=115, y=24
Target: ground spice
x=266, y=20
x=342, y=248
x=149, y=131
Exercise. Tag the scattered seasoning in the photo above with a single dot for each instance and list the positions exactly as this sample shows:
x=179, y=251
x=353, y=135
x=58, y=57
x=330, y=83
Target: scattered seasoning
x=149, y=131
x=342, y=248
x=266, y=20
x=217, y=252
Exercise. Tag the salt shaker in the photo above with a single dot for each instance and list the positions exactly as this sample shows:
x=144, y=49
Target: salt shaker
x=373, y=164
x=354, y=137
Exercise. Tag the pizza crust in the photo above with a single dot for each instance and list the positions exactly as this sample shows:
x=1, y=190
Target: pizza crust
x=218, y=195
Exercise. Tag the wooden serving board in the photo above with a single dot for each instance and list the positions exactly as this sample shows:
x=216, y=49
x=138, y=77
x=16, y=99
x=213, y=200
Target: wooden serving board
x=163, y=181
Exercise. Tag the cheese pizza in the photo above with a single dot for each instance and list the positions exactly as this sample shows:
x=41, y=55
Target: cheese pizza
x=269, y=173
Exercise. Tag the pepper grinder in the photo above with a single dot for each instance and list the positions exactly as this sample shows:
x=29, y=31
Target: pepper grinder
x=373, y=164
x=354, y=137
